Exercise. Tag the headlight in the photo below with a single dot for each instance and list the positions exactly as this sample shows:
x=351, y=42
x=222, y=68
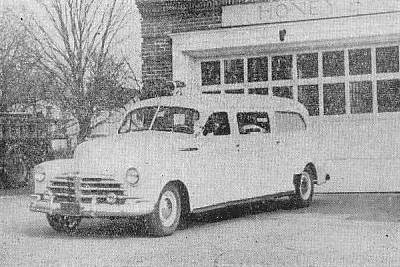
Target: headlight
x=47, y=195
x=132, y=176
x=40, y=174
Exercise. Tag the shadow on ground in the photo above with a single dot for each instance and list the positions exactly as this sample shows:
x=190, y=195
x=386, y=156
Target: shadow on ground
x=240, y=211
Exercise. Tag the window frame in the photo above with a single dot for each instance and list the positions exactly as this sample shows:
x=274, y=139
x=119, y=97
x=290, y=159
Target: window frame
x=268, y=86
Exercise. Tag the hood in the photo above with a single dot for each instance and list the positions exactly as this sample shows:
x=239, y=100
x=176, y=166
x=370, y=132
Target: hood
x=115, y=154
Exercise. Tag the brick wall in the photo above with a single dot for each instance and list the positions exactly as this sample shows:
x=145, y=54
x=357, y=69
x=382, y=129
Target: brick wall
x=158, y=21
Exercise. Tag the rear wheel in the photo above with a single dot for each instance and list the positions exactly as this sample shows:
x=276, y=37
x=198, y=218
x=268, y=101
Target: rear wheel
x=63, y=223
x=167, y=214
x=304, y=188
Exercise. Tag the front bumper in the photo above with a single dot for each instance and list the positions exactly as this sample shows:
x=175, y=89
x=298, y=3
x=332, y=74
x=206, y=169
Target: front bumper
x=132, y=207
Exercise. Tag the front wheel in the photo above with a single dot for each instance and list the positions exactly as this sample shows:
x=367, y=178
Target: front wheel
x=167, y=214
x=304, y=188
x=63, y=223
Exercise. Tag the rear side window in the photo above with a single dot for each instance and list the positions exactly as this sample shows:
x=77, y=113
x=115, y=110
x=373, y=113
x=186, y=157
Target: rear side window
x=253, y=122
x=289, y=122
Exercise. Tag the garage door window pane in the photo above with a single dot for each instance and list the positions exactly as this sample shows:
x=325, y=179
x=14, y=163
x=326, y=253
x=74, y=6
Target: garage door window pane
x=283, y=91
x=388, y=95
x=334, y=99
x=234, y=71
x=307, y=66
x=333, y=63
x=282, y=67
x=210, y=73
x=257, y=69
x=361, y=97
x=234, y=91
x=360, y=61
x=309, y=97
x=387, y=59
x=258, y=91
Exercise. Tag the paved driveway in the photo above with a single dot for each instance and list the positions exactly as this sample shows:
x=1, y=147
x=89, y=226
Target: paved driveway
x=337, y=230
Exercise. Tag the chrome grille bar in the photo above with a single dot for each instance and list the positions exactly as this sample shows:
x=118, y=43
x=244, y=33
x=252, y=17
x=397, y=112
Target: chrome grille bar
x=78, y=187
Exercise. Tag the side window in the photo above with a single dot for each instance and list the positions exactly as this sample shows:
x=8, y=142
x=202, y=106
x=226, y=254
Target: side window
x=289, y=122
x=176, y=119
x=217, y=124
x=253, y=122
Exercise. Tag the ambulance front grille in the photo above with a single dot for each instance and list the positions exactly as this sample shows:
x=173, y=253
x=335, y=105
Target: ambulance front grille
x=74, y=188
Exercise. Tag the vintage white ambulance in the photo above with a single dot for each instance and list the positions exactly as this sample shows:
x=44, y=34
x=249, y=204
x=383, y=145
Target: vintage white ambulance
x=183, y=154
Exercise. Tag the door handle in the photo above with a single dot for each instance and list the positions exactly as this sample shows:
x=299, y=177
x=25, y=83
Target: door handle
x=237, y=147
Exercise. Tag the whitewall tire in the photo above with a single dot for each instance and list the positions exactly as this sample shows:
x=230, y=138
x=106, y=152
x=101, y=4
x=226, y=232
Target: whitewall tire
x=304, y=189
x=167, y=214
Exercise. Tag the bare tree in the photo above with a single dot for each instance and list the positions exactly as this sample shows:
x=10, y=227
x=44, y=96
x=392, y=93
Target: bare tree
x=20, y=77
x=77, y=41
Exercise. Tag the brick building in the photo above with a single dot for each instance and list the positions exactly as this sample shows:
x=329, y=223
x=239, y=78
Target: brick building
x=159, y=20
x=340, y=58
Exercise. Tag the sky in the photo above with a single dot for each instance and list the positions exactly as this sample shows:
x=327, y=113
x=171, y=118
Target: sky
x=132, y=32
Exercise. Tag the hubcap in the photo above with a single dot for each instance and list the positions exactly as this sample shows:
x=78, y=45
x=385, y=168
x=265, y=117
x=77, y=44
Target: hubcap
x=168, y=209
x=305, y=186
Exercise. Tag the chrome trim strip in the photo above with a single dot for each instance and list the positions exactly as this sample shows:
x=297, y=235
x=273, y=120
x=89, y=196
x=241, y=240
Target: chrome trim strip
x=102, y=182
x=64, y=195
x=101, y=189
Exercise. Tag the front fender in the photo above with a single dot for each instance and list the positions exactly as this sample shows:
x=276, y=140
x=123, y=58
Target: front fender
x=154, y=179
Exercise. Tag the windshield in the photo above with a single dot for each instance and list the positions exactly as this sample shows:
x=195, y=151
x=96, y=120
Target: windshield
x=138, y=120
x=171, y=119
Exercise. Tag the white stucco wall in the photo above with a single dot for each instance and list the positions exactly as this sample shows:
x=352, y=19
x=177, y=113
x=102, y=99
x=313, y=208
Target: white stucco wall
x=363, y=151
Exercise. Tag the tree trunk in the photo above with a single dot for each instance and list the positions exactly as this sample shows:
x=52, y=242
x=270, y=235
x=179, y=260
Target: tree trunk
x=84, y=128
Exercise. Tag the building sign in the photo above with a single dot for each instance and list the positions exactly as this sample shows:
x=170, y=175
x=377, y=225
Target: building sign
x=298, y=10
